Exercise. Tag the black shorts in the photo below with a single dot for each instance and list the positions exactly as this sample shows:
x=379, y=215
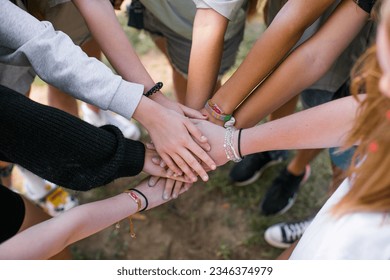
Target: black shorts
x=12, y=212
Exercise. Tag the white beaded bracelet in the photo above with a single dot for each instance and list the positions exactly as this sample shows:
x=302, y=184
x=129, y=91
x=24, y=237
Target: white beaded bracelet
x=228, y=145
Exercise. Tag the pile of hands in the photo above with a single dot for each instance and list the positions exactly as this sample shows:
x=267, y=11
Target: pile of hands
x=179, y=161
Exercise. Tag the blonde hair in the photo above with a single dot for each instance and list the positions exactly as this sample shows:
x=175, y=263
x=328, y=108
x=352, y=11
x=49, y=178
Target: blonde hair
x=369, y=171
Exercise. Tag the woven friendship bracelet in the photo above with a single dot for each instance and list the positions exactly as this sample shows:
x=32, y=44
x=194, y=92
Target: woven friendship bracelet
x=216, y=112
x=154, y=89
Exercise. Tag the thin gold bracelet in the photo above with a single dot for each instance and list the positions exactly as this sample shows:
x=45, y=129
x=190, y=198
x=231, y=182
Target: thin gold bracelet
x=137, y=200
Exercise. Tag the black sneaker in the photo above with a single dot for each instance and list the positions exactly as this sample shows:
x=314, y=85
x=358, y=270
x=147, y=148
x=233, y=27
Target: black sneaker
x=283, y=192
x=252, y=166
x=283, y=235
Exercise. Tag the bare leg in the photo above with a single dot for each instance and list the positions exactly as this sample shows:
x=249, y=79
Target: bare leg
x=179, y=81
x=302, y=158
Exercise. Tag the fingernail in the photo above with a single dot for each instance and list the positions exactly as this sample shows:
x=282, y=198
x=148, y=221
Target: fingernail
x=151, y=183
x=155, y=160
x=203, y=138
x=166, y=196
x=213, y=166
x=205, y=178
x=194, y=179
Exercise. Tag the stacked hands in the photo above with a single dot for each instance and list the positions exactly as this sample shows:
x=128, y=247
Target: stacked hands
x=196, y=152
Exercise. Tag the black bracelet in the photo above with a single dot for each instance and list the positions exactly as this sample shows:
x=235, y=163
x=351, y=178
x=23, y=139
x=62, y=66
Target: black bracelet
x=239, y=143
x=146, y=200
x=154, y=89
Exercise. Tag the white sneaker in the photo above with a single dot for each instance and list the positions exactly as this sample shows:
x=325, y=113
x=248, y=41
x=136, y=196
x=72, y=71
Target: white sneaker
x=283, y=235
x=96, y=119
x=129, y=129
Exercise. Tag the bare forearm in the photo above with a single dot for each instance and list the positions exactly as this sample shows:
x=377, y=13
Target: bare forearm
x=53, y=235
x=108, y=32
x=323, y=126
x=304, y=66
x=206, y=52
x=269, y=50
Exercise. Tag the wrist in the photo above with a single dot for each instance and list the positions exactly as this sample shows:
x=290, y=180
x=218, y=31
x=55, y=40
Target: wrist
x=216, y=112
x=143, y=112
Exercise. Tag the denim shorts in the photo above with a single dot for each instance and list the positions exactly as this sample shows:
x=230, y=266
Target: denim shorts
x=314, y=97
x=179, y=48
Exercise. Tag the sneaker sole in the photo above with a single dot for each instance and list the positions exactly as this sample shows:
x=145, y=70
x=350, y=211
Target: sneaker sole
x=270, y=241
x=257, y=174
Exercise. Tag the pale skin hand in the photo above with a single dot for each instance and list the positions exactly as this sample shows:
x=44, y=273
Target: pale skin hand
x=53, y=235
x=171, y=134
x=152, y=167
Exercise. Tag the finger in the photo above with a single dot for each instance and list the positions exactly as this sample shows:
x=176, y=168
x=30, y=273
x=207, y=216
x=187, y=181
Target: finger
x=156, y=160
x=202, y=155
x=171, y=164
x=195, y=165
x=150, y=146
x=191, y=113
x=152, y=181
x=169, y=185
x=163, y=164
x=182, y=161
x=197, y=134
x=177, y=188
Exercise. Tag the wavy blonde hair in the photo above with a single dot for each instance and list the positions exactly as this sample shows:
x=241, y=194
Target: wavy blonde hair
x=369, y=171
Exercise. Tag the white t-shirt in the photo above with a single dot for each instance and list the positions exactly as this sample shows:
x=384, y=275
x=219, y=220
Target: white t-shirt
x=359, y=235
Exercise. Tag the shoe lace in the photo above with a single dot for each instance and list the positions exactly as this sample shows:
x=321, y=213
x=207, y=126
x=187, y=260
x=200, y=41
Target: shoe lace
x=293, y=231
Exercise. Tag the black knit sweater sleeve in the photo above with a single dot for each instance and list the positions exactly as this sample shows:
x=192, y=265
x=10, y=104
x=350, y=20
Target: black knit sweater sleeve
x=62, y=148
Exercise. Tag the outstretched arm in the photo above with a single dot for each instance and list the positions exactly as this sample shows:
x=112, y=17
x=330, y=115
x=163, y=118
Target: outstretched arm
x=305, y=65
x=323, y=126
x=273, y=45
x=206, y=54
x=53, y=235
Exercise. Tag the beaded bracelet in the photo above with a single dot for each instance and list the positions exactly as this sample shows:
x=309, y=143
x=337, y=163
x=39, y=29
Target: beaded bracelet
x=228, y=145
x=216, y=112
x=154, y=89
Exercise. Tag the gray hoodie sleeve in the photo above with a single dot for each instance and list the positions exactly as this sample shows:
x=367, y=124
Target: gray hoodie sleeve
x=26, y=41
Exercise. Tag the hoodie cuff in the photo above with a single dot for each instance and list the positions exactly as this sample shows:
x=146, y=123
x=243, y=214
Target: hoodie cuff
x=126, y=99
